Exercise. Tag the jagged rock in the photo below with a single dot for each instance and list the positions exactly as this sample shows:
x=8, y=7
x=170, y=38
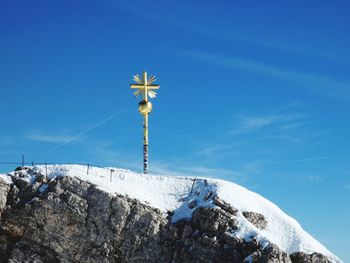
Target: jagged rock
x=192, y=204
x=4, y=189
x=225, y=206
x=71, y=220
x=256, y=219
x=208, y=195
x=31, y=253
x=80, y=223
x=301, y=257
x=270, y=254
x=213, y=220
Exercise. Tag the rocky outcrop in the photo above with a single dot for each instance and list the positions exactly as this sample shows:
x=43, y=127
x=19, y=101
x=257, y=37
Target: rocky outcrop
x=4, y=189
x=301, y=257
x=258, y=220
x=70, y=220
x=270, y=254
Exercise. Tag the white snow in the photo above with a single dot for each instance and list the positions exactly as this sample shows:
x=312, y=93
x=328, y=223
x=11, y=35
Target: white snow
x=5, y=178
x=169, y=193
x=282, y=229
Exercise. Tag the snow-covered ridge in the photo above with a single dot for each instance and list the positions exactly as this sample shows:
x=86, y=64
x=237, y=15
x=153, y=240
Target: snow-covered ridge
x=169, y=193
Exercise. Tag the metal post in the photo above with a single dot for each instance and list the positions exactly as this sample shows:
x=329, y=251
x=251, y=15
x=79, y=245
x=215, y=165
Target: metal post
x=88, y=167
x=22, y=160
x=145, y=144
x=111, y=176
x=145, y=86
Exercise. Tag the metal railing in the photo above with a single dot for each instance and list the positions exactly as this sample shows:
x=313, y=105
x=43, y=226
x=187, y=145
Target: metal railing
x=88, y=168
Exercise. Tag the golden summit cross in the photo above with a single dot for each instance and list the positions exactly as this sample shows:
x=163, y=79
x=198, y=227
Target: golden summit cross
x=145, y=87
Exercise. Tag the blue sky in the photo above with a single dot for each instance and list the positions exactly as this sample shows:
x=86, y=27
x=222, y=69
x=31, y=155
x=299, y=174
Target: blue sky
x=256, y=93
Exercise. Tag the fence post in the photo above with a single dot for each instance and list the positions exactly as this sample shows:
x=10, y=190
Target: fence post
x=194, y=181
x=111, y=177
x=46, y=171
x=22, y=160
x=88, y=167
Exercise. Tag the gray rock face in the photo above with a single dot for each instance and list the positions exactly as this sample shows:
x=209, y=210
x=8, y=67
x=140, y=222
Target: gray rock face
x=4, y=189
x=70, y=220
x=301, y=257
x=73, y=221
x=256, y=219
x=225, y=206
x=271, y=254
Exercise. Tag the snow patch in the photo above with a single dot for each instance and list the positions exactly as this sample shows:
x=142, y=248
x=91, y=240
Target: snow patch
x=6, y=178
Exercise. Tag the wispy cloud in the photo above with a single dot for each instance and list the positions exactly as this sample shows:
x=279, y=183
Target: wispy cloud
x=258, y=122
x=249, y=123
x=195, y=170
x=319, y=84
x=342, y=57
x=338, y=54
x=210, y=150
x=7, y=140
x=258, y=132
x=265, y=142
x=315, y=178
x=11, y=152
x=66, y=135
x=105, y=151
x=301, y=160
x=40, y=136
x=77, y=136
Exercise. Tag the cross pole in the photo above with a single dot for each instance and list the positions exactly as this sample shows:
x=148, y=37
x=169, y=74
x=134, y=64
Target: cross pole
x=145, y=87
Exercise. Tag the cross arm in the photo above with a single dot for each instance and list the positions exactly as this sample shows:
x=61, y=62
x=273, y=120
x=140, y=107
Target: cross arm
x=137, y=86
x=153, y=86
x=142, y=86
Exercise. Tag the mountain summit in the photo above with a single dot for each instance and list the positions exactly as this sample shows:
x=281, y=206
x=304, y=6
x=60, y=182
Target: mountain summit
x=71, y=213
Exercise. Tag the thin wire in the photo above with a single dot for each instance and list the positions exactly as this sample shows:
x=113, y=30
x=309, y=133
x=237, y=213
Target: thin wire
x=82, y=133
